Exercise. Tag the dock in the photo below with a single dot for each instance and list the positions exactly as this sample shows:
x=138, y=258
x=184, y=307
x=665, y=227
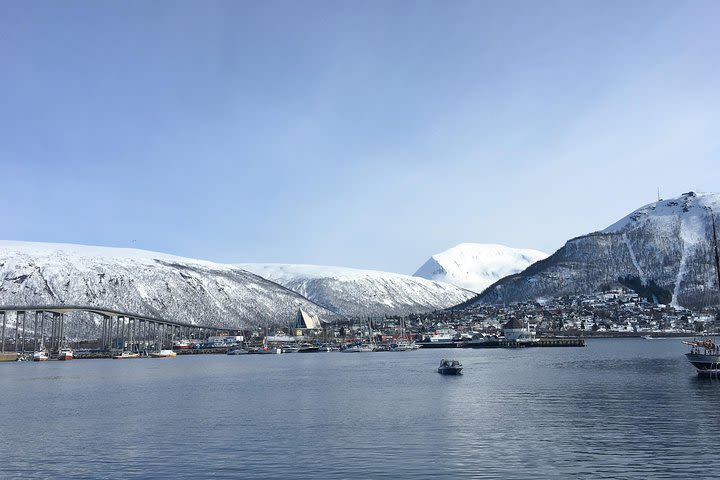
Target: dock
x=8, y=357
x=539, y=342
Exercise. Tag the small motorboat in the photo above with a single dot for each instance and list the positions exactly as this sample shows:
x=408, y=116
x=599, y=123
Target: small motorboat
x=163, y=354
x=450, y=367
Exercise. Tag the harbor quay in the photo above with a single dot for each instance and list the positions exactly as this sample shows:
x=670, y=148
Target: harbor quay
x=48, y=333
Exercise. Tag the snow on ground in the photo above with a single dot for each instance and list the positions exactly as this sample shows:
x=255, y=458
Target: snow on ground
x=691, y=202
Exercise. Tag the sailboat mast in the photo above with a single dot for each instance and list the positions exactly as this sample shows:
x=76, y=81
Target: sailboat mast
x=717, y=255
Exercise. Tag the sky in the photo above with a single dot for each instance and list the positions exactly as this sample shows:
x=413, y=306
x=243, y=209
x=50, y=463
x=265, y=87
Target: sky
x=365, y=134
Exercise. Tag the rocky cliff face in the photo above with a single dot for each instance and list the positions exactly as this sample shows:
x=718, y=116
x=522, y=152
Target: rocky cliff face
x=667, y=243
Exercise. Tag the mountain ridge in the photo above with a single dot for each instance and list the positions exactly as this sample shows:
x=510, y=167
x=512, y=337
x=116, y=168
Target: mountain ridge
x=356, y=292
x=145, y=283
x=668, y=242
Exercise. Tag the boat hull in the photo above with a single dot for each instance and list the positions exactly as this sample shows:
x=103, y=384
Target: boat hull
x=450, y=371
x=706, y=364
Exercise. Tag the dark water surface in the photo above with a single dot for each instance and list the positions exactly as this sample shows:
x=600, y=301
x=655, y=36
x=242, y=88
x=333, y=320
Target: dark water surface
x=618, y=408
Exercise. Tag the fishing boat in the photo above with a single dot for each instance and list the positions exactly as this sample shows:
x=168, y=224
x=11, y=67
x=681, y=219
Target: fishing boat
x=450, y=367
x=40, y=356
x=65, y=354
x=705, y=353
x=163, y=354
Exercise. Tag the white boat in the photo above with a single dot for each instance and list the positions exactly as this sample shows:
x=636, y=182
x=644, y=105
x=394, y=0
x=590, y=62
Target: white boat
x=450, y=367
x=40, y=356
x=446, y=336
x=163, y=354
x=125, y=355
x=358, y=347
x=66, y=354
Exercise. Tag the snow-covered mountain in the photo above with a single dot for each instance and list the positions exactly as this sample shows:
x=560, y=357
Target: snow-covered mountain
x=144, y=283
x=476, y=266
x=667, y=246
x=358, y=293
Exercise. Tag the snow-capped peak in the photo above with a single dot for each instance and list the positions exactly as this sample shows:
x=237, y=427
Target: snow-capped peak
x=476, y=266
x=688, y=204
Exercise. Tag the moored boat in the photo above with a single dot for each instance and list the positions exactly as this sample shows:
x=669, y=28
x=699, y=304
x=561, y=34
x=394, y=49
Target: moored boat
x=403, y=346
x=182, y=345
x=66, y=354
x=705, y=354
x=125, y=355
x=163, y=354
x=40, y=356
x=450, y=367
x=358, y=347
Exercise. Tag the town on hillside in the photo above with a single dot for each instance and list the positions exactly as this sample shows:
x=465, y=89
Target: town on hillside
x=616, y=312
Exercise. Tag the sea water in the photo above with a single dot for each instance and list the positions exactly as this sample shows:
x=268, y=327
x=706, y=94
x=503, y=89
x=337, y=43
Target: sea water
x=617, y=408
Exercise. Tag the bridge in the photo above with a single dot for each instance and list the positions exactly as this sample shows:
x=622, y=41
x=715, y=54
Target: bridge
x=119, y=329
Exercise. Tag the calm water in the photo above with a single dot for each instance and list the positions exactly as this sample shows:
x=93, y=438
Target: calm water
x=618, y=408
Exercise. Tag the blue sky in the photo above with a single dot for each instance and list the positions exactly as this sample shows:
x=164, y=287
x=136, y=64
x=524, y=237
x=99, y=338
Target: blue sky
x=363, y=134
